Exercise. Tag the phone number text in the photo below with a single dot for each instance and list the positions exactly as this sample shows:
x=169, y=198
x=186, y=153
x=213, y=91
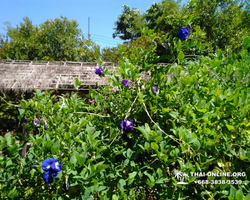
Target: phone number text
x=222, y=182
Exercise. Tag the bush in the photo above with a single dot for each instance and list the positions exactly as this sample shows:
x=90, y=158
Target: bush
x=194, y=119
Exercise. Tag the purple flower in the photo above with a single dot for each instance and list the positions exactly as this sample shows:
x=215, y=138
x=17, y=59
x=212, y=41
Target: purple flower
x=99, y=71
x=165, y=45
x=50, y=166
x=125, y=82
x=183, y=33
x=36, y=122
x=155, y=89
x=127, y=125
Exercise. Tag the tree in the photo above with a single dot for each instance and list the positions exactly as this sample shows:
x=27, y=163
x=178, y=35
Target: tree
x=221, y=20
x=219, y=24
x=111, y=55
x=58, y=39
x=129, y=24
x=153, y=13
x=165, y=16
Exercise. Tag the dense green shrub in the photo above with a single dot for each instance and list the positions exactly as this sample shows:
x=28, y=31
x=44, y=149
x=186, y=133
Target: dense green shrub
x=195, y=118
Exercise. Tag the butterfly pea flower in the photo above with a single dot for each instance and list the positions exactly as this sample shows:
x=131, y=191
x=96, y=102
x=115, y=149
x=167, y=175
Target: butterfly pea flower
x=36, y=122
x=155, y=89
x=183, y=33
x=127, y=125
x=125, y=82
x=47, y=177
x=99, y=71
x=51, y=167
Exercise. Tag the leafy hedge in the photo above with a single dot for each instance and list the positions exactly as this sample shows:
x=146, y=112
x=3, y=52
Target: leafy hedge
x=198, y=121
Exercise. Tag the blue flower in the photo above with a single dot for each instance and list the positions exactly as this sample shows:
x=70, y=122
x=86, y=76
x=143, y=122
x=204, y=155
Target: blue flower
x=125, y=82
x=36, y=122
x=46, y=166
x=51, y=167
x=156, y=89
x=56, y=166
x=47, y=177
x=99, y=71
x=127, y=125
x=183, y=33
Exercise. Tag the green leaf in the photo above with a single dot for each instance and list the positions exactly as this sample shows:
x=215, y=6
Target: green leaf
x=115, y=197
x=247, y=197
x=151, y=177
x=246, y=42
x=145, y=133
x=154, y=146
x=236, y=98
x=129, y=153
x=150, y=184
x=73, y=128
x=158, y=139
x=229, y=127
x=80, y=159
x=132, y=175
x=101, y=188
x=21, y=111
x=67, y=135
x=210, y=143
x=195, y=144
x=165, y=110
x=100, y=167
x=59, y=175
x=147, y=146
x=13, y=193
x=232, y=192
x=39, y=141
x=180, y=57
x=239, y=195
x=243, y=96
x=121, y=184
x=174, y=114
x=73, y=159
x=54, y=149
x=77, y=83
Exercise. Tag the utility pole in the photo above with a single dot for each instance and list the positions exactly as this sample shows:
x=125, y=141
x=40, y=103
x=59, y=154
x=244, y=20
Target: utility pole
x=88, y=27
